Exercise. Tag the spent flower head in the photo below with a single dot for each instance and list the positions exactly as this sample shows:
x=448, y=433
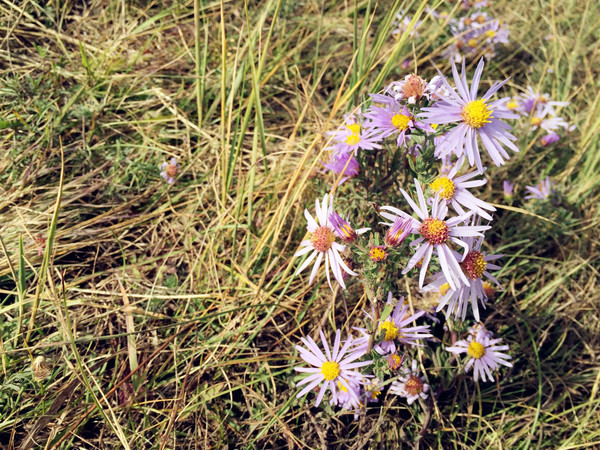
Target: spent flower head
x=410, y=385
x=169, y=170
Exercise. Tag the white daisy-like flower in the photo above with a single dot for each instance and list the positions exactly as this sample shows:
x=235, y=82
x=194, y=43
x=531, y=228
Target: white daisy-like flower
x=334, y=368
x=454, y=190
x=410, y=384
x=476, y=265
x=485, y=355
x=542, y=118
x=322, y=243
x=435, y=234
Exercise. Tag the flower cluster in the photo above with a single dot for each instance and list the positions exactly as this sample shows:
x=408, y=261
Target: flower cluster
x=333, y=369
x=437, y=226
x=541, y=113
x=475, y=34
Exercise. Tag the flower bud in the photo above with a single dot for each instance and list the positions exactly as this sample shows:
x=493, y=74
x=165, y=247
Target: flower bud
x=342, y=228
x=399, y=230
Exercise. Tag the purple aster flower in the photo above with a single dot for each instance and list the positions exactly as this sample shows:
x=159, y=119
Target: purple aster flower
x=531, y=99
x=329, y=368
x=540, y=118
x=353, y=136
x=454, y=191
x=549, y=139
x=402, y=22
x=397, y=330
x=322, y=244
x=484, y=353
x=435, y=233
x=349, y=397
x=339, y=165
x=372, y=388
x=480, y=328
x=343, y=229
x=542, y=191
x=169, y=170
x=475, y=117
x=508, y=187
x=394, y=119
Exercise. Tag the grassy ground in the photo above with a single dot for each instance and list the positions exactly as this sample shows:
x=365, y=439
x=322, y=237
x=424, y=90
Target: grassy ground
x=167, y=314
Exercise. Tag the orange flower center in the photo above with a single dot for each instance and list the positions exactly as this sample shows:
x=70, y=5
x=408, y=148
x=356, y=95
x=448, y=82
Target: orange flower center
x=474, y=265
x=414, y=385
x=322, y=239
x=171, y=170
x=435, y=231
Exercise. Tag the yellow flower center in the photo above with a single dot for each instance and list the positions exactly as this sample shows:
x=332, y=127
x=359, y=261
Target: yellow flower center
x=472, y=42
x=434, y=126
x=476, y=114
x=474, y=265
x=354, y=137
x=354, y=128
x=536, y=121
x=330, y=370
x=444, y=289
x=512, y=105
x=488, y=289
x=444, y=186
x=391, y=330
x=394, y=361
x=435, y=231
x=375, y=393
x=490, y=33
x=377, y=254
x=341, y=387
x=322, y=239
x=476, y=350
x=414, y=385
x=400, y=121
